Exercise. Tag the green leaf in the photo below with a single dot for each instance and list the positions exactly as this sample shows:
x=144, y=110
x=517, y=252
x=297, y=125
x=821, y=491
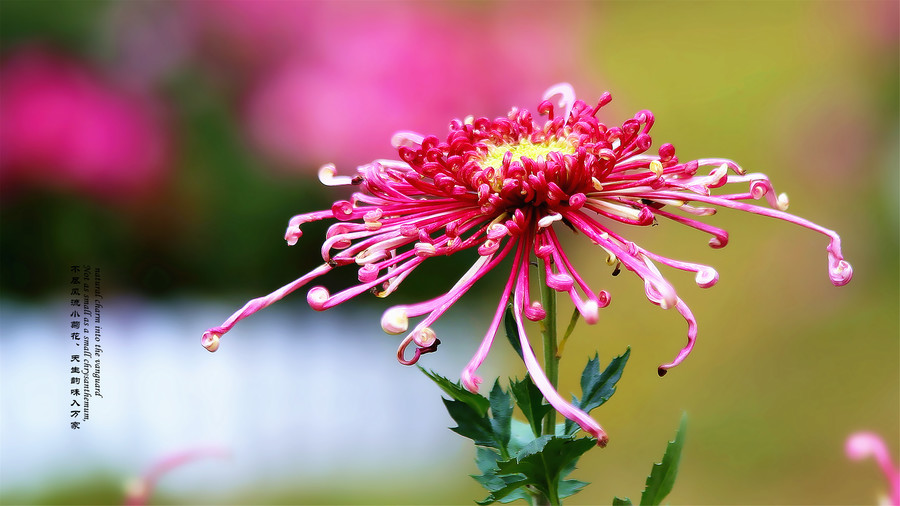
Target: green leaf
x=501, y=415
x=506, y=488
x=471, y=424
x=499, y=486
x=521, y=435
x=662, y=475
x=479, y=402
x=519, y=493
x=512, y=331
x=546, y=460
x=597, y=387
x=570, y=487
x=618, y=501
x=486, y=459
x=512, y=489
x=531, y=401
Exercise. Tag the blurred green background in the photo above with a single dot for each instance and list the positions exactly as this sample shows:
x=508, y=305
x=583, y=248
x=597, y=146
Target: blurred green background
x=244, y=101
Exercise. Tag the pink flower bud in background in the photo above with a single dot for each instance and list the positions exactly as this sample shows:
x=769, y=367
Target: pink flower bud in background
x=63, y=127
x=414, y=61
x=862, y=445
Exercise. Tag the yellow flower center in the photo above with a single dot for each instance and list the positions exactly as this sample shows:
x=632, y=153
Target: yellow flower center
x=524, y=149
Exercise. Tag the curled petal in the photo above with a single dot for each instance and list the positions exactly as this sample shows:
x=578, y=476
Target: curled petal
x=328, y=176
x=718, y=177
x=560, y=282
x=497, y=231
x=317, y=297
x=603, y=298
x=763, y=188
x=660, y=292
x=424, y=249
x=395, y=320
x=576, y=201
x=488, y=247
x=839, y=270
x=543, y=251
x=566, y=97
x=293, y=233
x=342, y=210
x=410, y=140
x=210, y=339
x=535, y=312
x=691, y=338
x=706, y=277
x=425, y=337
x=401, y=352
x=719, y=241
x=470, y=380
x=367, y=273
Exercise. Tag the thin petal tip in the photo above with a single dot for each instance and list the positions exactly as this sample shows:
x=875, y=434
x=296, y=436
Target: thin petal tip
x=841, y=274
x=864, y=444
x=470, y=381
x=395, y=320
x=210, y=340
x=602, y=439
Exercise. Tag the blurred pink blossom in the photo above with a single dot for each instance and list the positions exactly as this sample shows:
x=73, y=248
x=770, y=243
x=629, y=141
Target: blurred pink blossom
x=139, y=490
x=366, y=71
x=243, y=37
x=64, y=127
x=861, y=445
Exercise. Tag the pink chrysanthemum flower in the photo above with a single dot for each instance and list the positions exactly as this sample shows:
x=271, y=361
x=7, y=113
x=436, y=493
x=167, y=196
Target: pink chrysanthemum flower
x=861, y=445
x=499, y=187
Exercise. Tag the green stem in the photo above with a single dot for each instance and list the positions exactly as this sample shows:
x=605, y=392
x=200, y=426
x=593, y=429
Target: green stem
x=551, y=359
x=551, y=368
x=554, y=494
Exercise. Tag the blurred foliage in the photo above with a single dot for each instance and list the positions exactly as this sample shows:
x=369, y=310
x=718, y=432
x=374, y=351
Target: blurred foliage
x=182, y=241
x=60, y=22
x=99, y=489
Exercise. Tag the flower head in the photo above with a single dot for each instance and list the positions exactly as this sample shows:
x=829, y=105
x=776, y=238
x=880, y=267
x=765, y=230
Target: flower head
x=861, y=445
x=500, y=188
